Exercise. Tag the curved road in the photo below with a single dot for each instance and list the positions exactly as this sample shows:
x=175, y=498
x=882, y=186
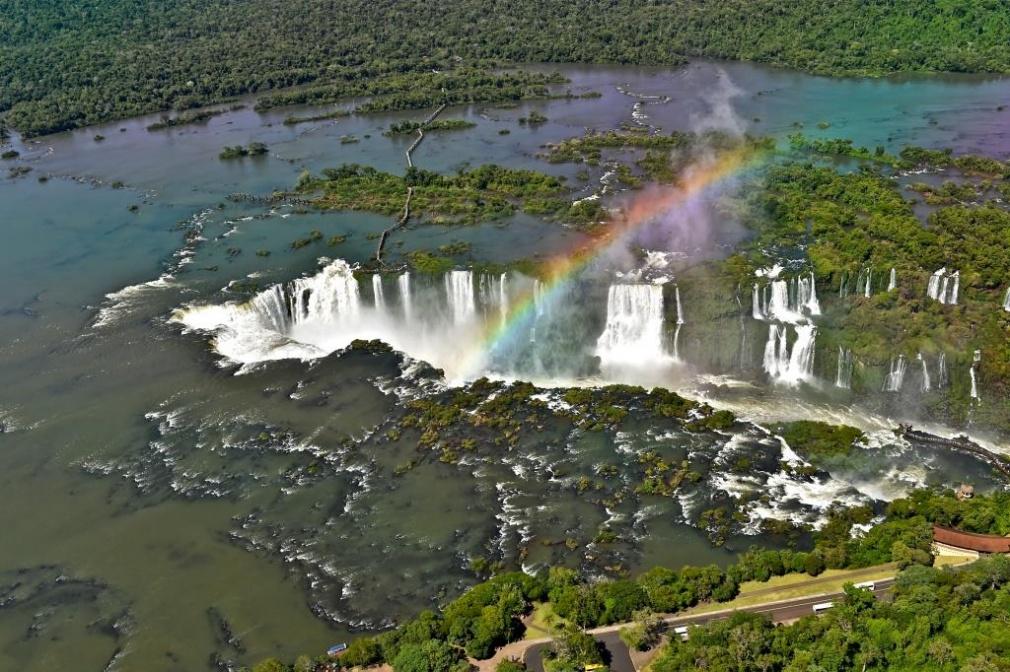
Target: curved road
x=784, y=611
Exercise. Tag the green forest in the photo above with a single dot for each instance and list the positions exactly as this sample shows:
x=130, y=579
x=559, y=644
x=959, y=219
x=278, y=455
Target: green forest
x=939, y=619
x=67, y=65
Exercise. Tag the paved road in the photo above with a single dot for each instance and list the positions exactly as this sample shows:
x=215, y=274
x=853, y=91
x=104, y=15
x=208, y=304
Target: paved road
x=616, y=656
x=783, y=611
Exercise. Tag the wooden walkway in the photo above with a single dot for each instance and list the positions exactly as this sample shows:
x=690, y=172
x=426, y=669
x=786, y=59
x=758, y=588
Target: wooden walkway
x=410, y=190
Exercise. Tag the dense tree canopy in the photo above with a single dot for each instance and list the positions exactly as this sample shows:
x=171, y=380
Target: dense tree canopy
x=64, y=65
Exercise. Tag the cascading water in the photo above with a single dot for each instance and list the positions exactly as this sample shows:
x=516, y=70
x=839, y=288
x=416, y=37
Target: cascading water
x=538, y=298
x=789, y=302
x=944, y=286
x=926, y=383
x=806, y=290
x=377, y=294
x=494, y=295
x=634, y=331
x=843, y=376
x=896, y=377
x=459, y=292
x=866, y=287
x=778, y=304
x=783, y=366
x=503, y=299
x=403, y=284
x=330, y=295
x=285, y=321
x=892, y=283
x=942, y=379
x=976, y=358
x=680, y=323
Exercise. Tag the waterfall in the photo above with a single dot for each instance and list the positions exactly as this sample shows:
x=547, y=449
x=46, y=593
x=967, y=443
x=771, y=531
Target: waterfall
x=758, y=311
x=841, y=285
x=944, y=286
x=1006, y=300
x=933, y=286
x=634, y=329
x=272, y=306
x=789, y=301
x=896, y=378
x=380, y=298
x=776, y=358
x=680, y=323
x=494, y=295
x=941, y=365
x=974, y=381
x=783, y=366
x=806, y=290
x=403, y=284
x=503, y=299
x=459, y=292
x=892, y=284
x=866, y=288
x=330, y=295
x=843, y=377
x=778, y=304
x=926, y=383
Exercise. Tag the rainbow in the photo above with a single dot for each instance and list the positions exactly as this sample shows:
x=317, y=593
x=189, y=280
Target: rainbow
x=698, y=181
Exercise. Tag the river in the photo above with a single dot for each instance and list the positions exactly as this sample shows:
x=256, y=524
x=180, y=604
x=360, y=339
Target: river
x=156, y=508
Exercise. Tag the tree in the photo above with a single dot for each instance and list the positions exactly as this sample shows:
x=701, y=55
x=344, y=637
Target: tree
x=270, y=665
x=431, y=656
x=620, y=600
x=361, y=652
x=574, y=649
x=814, y=564
x=644, y=632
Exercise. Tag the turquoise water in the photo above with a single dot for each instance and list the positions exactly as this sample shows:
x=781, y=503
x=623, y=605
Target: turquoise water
x=133, y=464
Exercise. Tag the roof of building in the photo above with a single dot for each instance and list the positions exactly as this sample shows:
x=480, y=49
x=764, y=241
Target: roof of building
x=983, y=543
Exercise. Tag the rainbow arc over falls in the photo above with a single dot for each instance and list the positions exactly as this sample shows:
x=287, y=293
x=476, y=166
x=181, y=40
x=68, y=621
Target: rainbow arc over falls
x=700, y=181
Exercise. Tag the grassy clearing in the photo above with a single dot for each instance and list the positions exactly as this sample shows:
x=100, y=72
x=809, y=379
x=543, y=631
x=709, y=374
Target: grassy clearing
x=542, y=621
x=792, y=586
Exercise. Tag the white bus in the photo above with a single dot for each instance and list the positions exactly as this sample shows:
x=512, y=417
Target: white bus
x=868, y=585
x=681, y=631
x=822, y=606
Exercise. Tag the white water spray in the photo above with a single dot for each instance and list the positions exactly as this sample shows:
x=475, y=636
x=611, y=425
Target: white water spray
x=974, y=381
x=403, y=284
x=843, y=376
x=926, y=383
x=680, y=323
x=892, y=283
x=944, y=286
x=379, y=297
x=787, y=367
x=896, y=377
x=634, y=331
x=459, y=292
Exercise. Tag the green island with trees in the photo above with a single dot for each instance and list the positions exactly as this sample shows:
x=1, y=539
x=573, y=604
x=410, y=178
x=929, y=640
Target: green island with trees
x=468, y=197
